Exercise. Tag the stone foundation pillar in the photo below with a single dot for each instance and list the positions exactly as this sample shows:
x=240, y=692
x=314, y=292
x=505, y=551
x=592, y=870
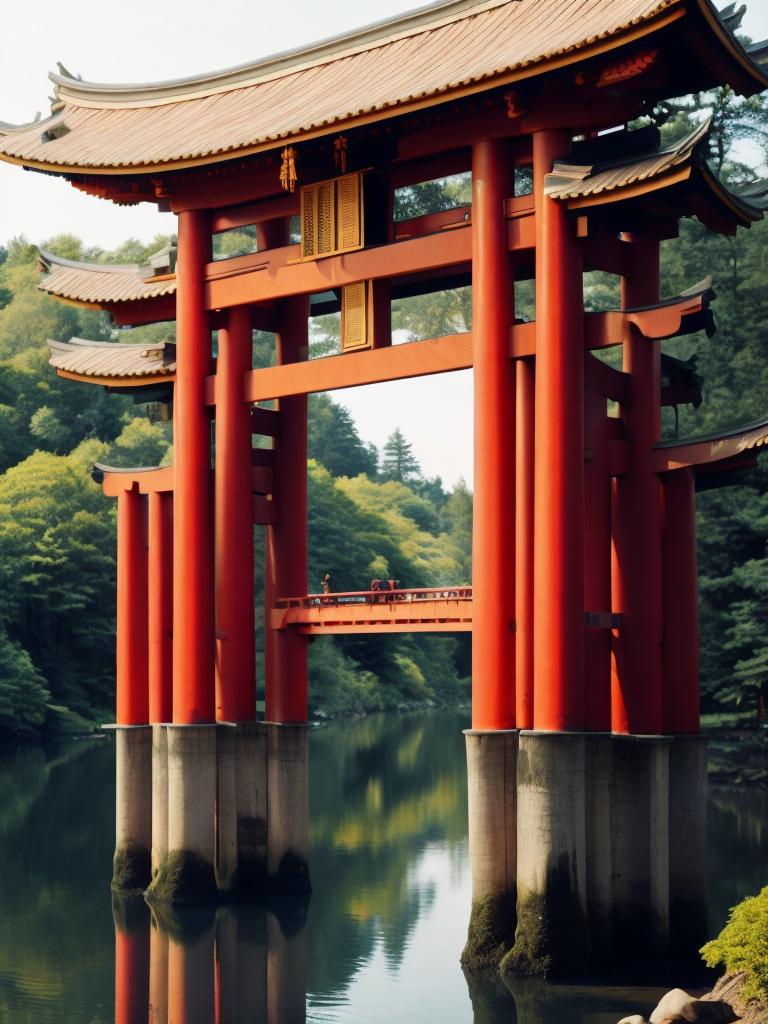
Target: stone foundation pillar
x=251, y=806
x=288, y=808
x=552, y=933
x=187, y=872
x=491, y=780
x=688, y=845
x=599, y=801
x=226, y=807
x=133, y=830
x=640, y=841
x=159, y=796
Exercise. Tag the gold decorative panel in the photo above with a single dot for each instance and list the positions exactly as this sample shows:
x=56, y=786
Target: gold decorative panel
x=331, y=218
x=354, y=316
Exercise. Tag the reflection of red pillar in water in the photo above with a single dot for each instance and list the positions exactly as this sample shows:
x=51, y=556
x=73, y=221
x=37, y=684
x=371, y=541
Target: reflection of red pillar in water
x=158, y=976
x=235, y=651
x=132, y=975
x=637, y=595
x=191, y=980
x=493, y=554
x=193, y=617
x=524, y=468
x=558, y=612
x=597, y=561
x=132, y=617
x=286, y=575
x=680, y=656
x=286, y=974
x=160, y=607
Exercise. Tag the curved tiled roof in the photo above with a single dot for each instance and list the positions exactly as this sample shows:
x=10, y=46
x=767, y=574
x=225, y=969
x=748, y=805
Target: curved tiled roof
x=101, y=284
x=612, y=181
x=425, y=57
x=108, y=362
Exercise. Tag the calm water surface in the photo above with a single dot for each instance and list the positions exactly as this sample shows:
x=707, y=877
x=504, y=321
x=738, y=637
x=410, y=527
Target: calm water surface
x=379, y=941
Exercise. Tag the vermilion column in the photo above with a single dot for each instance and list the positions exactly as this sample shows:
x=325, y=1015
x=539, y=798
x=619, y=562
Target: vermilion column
x=493, y=561
x=193, y=611
x=558, y=626
x=160, y=607
x=597, y=561
x=286, y=576
x=525, y=476
x=235, y=651
x=637, y=596
x=132, y=643
x=680, y=656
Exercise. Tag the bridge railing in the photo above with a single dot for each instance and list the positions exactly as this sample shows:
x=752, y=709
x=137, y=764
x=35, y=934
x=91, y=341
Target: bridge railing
x=334, y=600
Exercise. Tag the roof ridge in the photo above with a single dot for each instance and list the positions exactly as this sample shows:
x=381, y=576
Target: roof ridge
x=412, y=22
x=107, y=268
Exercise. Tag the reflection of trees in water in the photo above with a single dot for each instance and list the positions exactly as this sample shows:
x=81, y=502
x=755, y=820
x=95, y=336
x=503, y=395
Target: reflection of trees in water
x=56, y=933
x=381, y=790
x=738, y=848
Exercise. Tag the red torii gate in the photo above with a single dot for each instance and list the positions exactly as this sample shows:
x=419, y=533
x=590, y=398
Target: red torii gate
x=570, y=503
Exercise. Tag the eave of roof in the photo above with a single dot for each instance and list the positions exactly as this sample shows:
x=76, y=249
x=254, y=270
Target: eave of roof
x=103, y=285
x=585, y=186
x=101, y=362
x=709, y=448
x=417, y=60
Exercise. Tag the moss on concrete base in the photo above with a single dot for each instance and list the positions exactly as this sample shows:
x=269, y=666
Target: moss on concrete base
x=490, y=934
x=183, y=877
x=551, y=936
x=131, y=870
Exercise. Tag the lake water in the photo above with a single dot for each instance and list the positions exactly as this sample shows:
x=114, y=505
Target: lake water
x=380, y=939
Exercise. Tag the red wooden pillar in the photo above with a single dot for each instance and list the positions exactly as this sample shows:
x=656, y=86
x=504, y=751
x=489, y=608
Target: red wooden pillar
x=525, y=477
x=193, y=606
x=235, y=651
x=637, y=596
x=132, y=616
x=286, y=576
x=160, y=607
x=597, y=561
x=680, y=652
x=558, y=626
x=493, y=562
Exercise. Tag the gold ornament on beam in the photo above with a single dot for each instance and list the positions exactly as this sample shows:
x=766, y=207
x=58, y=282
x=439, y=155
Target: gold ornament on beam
x=340, y=153
x=288, y=169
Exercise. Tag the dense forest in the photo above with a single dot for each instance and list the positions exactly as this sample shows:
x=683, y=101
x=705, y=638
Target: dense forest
x=371, y=514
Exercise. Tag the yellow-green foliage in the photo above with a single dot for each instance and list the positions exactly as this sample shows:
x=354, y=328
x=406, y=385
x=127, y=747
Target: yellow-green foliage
x=743, y=944
x=437, y=559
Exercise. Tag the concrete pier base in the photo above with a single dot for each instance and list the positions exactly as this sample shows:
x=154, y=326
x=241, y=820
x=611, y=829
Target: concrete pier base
x=187, y=873
x=159, y=796
x=640, y=841
x=598, y=752
x=492, y=794
x=552, y=933
x=225, y=860
x=251, y=807
x=609, y=863
x=687, y=845
x=288, y=808
x=133, y=831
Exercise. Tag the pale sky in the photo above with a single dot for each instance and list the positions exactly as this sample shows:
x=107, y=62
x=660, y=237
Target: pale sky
x=146, y=41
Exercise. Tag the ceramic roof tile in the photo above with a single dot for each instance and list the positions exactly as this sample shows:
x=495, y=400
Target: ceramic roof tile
x=113, y=361
x=449, y=46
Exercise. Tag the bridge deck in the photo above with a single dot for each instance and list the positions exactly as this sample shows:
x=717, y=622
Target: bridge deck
x=447, y=610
